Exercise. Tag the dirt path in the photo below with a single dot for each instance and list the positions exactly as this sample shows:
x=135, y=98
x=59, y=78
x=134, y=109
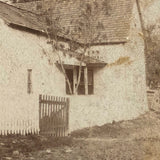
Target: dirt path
x=93, y=149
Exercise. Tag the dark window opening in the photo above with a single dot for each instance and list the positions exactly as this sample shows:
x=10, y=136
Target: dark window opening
x=69, y=73
x=81, y=87
x=82, y=90
x=29, y=87
x=90, y=81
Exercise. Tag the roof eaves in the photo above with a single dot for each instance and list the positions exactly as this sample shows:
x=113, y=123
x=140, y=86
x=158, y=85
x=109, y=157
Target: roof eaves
x=18, y=8
x=11, y=24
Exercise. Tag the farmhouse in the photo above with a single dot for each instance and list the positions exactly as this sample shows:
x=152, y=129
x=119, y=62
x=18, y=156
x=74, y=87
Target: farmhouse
x=113, y=81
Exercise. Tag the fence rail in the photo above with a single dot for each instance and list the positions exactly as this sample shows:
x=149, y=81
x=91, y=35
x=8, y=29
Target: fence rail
x=53, y=115
x=22, y=127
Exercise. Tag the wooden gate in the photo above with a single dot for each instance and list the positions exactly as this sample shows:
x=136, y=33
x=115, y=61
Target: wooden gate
x=53, y=115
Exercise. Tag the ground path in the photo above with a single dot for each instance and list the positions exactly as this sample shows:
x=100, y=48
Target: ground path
x=137, y=139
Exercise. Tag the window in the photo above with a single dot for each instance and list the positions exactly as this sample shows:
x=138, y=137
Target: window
x=69, y=73
x=81, y=88
x=29, y=85
x=90, y=81
x=86, y=81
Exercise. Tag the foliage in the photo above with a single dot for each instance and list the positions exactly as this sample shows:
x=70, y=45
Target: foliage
x=152, y=57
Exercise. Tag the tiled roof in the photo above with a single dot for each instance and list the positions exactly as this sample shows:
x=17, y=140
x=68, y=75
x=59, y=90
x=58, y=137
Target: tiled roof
x=114, y=26
x=29, y=6
x=13, y=15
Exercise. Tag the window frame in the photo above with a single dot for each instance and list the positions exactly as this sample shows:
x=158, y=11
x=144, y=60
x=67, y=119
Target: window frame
x=82, y=84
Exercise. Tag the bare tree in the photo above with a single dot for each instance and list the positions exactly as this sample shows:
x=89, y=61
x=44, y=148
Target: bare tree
x=84, y=29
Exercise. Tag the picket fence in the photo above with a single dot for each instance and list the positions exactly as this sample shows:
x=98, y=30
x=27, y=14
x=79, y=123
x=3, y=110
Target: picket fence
x=22, y=127
x=53, y=118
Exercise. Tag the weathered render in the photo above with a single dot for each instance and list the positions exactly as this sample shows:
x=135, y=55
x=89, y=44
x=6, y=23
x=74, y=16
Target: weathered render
x=119, y=87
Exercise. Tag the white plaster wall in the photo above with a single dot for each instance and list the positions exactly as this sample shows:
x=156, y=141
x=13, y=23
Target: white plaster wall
x=120, y=90
x=20, y=51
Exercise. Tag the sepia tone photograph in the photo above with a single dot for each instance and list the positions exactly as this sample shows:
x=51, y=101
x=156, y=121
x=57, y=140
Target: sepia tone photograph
x=79, y=79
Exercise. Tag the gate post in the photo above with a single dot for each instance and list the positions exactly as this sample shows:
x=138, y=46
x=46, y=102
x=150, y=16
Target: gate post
x=40, y=98
x=67, y=126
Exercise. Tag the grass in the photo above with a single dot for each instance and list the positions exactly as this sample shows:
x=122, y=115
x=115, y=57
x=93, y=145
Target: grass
x=137, y=139
x=30, y=143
